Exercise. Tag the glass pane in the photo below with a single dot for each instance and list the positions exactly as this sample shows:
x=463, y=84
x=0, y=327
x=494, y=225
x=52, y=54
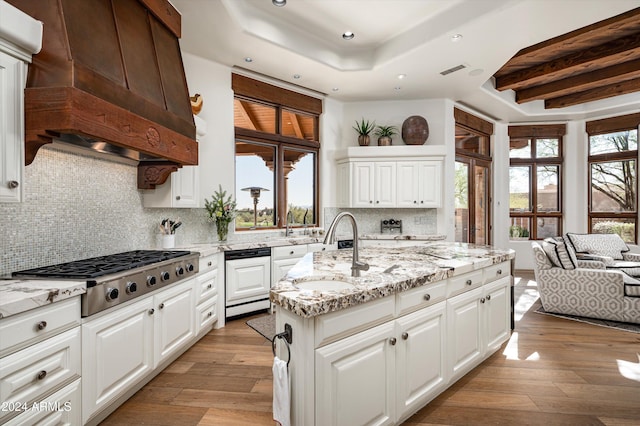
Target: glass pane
x=297, y=125
x=520, y=148
x=254, y=116
x=547, y=227
x=520, y=189
x=613, y=142
x=299, y=180
x=626, y=228
x=546, y=148
x=547, y=187
x=467, y=140
x=613, y=186
x=255, y=185
x=519, y=228
x=481, y=219
x=462, y=202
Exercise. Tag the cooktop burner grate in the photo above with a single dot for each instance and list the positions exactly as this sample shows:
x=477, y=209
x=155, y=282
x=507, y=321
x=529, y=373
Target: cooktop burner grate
x=103, y=265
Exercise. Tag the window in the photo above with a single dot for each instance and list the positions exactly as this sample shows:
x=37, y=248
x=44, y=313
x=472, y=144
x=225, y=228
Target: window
x=277, y=146
x=535, y=181
x=613, y=171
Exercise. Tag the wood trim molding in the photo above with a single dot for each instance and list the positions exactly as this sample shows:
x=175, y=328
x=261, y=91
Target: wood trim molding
x=254, y=89
x=538, y=130
x=613, y=124
x=472, y=122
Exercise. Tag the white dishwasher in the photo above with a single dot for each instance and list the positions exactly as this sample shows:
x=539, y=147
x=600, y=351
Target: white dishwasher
x=247, y=280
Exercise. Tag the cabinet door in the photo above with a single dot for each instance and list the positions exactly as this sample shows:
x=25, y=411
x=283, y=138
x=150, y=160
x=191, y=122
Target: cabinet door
x=464, y=323
x=174, y=320
x=420, y=358
x=281, y=267
x=408, y=179
x=247, y=280
x=185, y=187
x=430, y=188
x=343, y=183
x=355, y=379
x=497, y=313
x=362, y=184
x=12, y=82
x=385, y=184
x=117, y=352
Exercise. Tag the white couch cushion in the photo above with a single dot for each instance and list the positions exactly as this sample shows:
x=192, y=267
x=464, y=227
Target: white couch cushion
x=560, y=253
x=599, y=244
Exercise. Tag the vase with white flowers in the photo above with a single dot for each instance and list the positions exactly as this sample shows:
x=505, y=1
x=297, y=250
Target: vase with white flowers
x=222, y=211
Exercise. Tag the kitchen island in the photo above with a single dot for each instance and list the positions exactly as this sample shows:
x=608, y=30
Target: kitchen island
x=377, y=348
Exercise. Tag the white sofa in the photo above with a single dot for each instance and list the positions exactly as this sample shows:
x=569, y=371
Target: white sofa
x=588, y=290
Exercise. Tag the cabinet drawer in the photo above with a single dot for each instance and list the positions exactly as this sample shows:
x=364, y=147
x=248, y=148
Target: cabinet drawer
x=288, y=252
x=27, y=375
x=414, y=299
x=312, y=248
x=464, y=282
x=33, y=326
x=206, y=286
x=495, y=272
x=206, y=314
x=62, y=408
x=207, y=263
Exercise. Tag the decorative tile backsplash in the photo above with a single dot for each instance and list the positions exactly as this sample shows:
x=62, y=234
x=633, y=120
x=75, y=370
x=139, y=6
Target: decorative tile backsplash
x=78, y=206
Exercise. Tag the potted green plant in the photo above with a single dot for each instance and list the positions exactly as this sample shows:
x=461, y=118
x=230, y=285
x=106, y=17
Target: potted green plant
x=385, y=134
x=222, y=211
x=364, y=127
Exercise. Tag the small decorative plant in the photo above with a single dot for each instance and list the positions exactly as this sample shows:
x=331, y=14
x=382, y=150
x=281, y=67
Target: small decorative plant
x=222, y=210
x=364, y=127
x=385, y=134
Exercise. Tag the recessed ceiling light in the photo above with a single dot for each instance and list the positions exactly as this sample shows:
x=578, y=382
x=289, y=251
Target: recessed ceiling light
x=296, y=76
x=456, y=37
x=248, y=59
x=476, y=71
x=335, y=89
x=279, y=3
x=397, y=88
x=401, y=76
x=348, y=35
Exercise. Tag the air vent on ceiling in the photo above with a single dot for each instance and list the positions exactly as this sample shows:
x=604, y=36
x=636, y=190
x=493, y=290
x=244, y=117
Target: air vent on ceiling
x=454, y=69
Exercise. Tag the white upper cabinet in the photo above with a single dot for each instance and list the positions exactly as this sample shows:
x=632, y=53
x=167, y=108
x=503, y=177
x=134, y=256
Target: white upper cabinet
x=20, y=37
x=394, y=176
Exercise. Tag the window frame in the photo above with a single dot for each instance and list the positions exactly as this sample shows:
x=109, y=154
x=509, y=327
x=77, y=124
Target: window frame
x=534, y=133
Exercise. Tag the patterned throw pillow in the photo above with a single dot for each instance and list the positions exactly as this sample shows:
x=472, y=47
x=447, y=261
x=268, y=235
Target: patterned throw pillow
x=561, y=254
x=599, y=244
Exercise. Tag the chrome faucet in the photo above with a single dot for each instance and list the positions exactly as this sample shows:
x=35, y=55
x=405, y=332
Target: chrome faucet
x=288, y=231
x=330, y=238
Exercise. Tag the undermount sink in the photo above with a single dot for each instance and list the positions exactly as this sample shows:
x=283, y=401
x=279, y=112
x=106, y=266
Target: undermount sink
x=324, y=285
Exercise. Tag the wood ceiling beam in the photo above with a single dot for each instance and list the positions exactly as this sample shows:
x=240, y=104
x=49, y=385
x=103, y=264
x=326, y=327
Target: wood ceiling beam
x=616, y=74
x=246, y=116
x=297, y=129
x=622, y=49
x=604, y=92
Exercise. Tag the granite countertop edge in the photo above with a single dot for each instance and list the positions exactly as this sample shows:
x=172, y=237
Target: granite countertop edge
x=17, y=296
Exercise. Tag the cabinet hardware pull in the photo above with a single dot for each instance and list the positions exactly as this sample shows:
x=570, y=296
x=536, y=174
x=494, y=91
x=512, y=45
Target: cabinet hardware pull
x=161, y=306
x=427, y=297
x=209, y=263
x=41, y=325
x=488, y=297
x=482, y=300
x=377, y=201
x=499, y=272
x=415, y=202
x=151, y=311
x=209, y=314
x=41, y=375
x=291, y=252
x=178, y=197
x=370, y=202
x=210, y=285
x=392, y=341
x=422, y=202
x=13, y=184
x=468, y=282
x=405, y=335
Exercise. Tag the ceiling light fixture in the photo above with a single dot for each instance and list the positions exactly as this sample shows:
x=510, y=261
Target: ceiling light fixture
x=335, y=89
x=397, y=88
x=456, y=37
x=296, y=76
x=348, y=35
x=279, y=3
x=248, y=59
x=401, y=76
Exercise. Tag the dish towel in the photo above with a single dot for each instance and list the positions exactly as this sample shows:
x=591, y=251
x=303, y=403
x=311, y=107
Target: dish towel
x=281, y=392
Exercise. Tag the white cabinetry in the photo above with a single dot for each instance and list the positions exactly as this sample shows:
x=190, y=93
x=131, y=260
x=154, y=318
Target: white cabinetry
x=174, y=320
x=207, y=297
x=419, y=184
x=284, y=258
x=20, y=37
x=406, y=177
x=41, y=357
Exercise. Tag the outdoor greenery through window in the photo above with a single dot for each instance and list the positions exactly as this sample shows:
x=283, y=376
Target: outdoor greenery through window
x=613, y=183
x=535, y=182
x=276, y=164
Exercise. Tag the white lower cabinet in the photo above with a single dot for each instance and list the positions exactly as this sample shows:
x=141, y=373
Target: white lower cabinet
x=174, y=320
x=60, y=408
x=384, y=374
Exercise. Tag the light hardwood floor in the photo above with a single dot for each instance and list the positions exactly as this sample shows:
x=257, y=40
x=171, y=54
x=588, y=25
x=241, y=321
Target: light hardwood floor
x=551, y=372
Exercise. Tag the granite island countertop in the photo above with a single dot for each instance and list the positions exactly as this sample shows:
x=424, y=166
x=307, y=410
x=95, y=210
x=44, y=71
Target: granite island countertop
x=391, y=270
x=18, y=296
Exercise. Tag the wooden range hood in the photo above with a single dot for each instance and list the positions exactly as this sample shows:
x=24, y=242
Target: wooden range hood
x=110, y=77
